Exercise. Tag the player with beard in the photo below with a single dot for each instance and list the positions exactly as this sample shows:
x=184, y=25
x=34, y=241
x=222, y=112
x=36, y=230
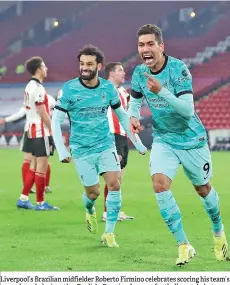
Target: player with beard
x=86, y=99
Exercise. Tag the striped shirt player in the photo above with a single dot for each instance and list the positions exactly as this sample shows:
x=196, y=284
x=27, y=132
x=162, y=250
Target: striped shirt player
x=116, y=128
x=22, y=113
x=114, y=124
x=25, y=146
x=38, y=133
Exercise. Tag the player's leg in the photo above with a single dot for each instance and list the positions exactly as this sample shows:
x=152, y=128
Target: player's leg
x=163, y=167
x=123, y=154
x=106, y=191
x=198, y=167
x=47, y=180
x=118, y=144
x=210, y=201
x=109, y=168
x=25, y=165
x=88, y=174
x=42, y=153
x=113, y=205
x=89, y=198
x=26, y=148
x=23, y=201
x=122, y=147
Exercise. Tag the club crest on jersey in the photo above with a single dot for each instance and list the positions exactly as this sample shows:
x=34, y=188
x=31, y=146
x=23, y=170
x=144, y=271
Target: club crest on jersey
x=103, y=97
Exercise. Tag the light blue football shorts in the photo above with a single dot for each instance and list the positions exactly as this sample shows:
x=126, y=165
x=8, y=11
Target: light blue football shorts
x=197, y=163
x=90, y=167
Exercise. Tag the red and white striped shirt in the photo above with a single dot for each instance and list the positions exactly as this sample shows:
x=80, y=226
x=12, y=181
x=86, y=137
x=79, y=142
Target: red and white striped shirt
x=114, y=124
x=35, y=95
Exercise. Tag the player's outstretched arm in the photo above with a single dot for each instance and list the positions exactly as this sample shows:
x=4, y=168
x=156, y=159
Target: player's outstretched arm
x=57, y=119
x=183, y=105
x=124, y=120
x=14, y=117
x=135, y=107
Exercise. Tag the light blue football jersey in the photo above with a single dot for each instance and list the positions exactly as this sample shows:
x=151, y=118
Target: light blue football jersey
x=87, y=110
x=168, y=125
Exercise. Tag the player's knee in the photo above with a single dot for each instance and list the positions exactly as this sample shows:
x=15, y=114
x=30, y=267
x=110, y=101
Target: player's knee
x=94, y=195
x=113, y=185
x=27, y=156
x=160, y=182
x=93, y=192
x=160, y=186
x=203, y=190
x=41, y=164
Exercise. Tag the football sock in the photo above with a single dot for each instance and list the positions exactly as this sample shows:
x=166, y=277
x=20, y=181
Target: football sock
x=40, y=185
x=29, y=181
x=212, y=207
x=89, y=204
x=25, y=168
x=113, y=205
x=171, y=215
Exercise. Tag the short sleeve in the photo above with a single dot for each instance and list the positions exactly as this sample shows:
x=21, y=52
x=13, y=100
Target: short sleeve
x=63, y=99
x=39, y=96
x=182, y=80
x=114, y=98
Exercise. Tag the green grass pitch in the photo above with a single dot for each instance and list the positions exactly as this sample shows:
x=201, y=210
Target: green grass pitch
x=59, y=241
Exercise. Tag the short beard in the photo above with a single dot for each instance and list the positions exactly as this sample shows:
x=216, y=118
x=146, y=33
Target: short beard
x=89, y=77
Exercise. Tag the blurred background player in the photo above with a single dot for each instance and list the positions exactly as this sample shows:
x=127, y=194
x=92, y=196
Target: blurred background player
x=86, y=99
x=115, y=73
x=179, y=138
x=39, y=140
x=24, y=143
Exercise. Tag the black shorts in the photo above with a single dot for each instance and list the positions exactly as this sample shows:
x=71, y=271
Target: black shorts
x=42, y=146
x=26, y=144
x=122, y=149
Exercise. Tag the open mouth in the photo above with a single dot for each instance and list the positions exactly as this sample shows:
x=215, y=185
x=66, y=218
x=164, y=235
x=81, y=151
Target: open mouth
x=148, y=59
x=85, y=72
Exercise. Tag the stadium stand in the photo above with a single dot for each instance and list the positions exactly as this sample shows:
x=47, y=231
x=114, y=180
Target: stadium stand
x=187, y=48
x=76, y=38
x=206, y=51
x=214, y=109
